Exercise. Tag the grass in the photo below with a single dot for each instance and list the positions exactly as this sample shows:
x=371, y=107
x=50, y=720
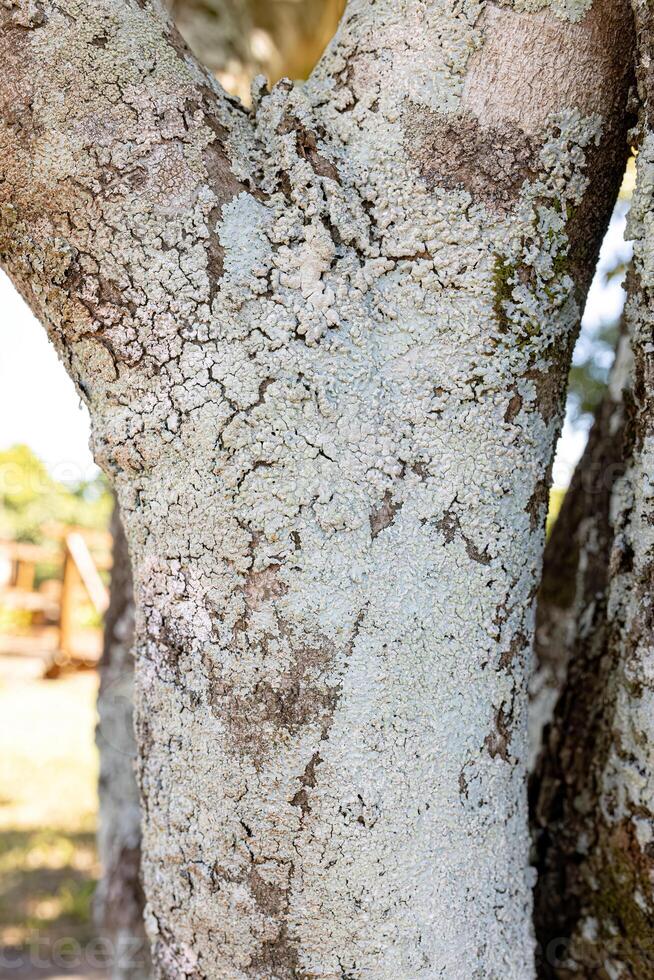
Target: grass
x=48, y=810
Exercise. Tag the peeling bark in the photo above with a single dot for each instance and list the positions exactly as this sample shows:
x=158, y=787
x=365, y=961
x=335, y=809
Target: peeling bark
x=327, y=387
x=119, y=897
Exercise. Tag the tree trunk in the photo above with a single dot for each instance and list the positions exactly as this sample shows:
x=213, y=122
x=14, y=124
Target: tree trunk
x=575, y=646
x=571, y=602
x=119, y=898
x=594, y=791
x=324, y=346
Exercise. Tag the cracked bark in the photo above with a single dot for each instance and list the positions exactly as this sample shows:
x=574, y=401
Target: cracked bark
x=119, y=902
x=593, y=791
x=330, y=461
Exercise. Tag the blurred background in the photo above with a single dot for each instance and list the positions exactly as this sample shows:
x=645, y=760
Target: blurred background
x=56, y=547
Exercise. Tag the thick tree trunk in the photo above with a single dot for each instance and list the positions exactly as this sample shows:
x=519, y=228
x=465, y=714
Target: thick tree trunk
x=594, y=791
x=119, y=898
x=324, y=347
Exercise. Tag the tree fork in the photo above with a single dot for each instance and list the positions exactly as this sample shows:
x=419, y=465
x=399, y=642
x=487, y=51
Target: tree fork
x=324, y=347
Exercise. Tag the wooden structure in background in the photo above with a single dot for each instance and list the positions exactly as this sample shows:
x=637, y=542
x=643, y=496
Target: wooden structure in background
x=77, y=563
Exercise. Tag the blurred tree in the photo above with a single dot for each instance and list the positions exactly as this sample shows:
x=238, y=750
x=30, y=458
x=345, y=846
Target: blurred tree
x=574, y=585
x=593, y=788
x=119, y=897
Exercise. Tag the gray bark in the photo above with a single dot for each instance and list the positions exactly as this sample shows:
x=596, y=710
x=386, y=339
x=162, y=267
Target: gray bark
x=324, y=346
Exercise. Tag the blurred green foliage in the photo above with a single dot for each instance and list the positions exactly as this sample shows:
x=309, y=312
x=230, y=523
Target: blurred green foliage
x=31, y=499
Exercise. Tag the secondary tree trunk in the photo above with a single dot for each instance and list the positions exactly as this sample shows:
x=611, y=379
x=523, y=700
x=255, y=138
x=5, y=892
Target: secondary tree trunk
x=594, y=791
x=571, y=601
x=577, y=655
x=324, y=346
x=119, y=898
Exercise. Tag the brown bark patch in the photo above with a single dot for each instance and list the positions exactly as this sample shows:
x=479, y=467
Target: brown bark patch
x=256, y=715
x=457, y=151
x=384, y=515
x=308, y=781
x=549, y=384
x=220, y=178
x=517, y=645
x=278, y=958
x=450, y=526
x=532, y=64
x=263, y=586
x=269, y=897
x=498, y=741
x=306, y=144
x=537, y=506
x=514, y=408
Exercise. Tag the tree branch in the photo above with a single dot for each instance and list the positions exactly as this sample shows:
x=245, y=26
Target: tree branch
x=116, y=159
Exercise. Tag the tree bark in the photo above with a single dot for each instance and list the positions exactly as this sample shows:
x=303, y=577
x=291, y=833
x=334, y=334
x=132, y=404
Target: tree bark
x=324, y=346
x=119, y=897
x=222, y=33
x=577, y=651
x=594, y=791
x=571, y=602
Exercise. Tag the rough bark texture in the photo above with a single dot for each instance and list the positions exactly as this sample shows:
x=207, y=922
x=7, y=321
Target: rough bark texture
x=594, y=792
x=119, y=897
x=578, y=657
x=571, y=602
x=326, y=377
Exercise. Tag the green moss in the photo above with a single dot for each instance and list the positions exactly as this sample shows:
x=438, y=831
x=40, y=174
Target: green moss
x=560, y=264
x=628, y=931
x=503, y=281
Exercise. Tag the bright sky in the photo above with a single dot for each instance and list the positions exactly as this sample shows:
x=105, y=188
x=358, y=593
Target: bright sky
x=39, y=405
x=604, y=306
x=38, y=402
